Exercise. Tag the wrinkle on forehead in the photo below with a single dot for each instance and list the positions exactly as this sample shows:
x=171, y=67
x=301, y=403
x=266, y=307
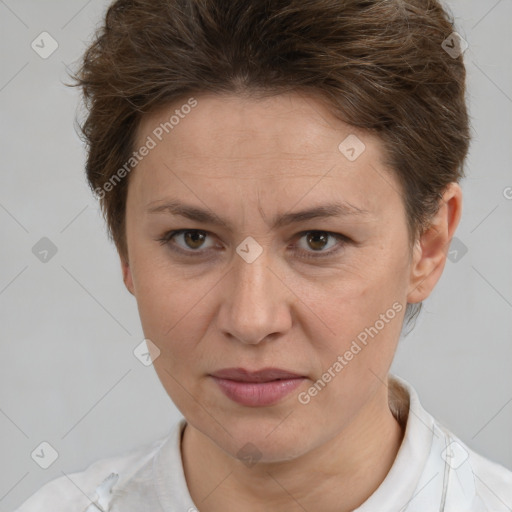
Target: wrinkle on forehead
x=265, y=152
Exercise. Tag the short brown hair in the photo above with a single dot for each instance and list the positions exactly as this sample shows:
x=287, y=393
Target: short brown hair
x=379, y=65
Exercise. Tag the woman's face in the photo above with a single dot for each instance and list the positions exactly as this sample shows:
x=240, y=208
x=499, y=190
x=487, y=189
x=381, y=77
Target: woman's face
x=294, y=256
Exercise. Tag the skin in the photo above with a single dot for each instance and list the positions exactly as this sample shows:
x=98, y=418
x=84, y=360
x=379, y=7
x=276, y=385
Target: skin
x=249, y=160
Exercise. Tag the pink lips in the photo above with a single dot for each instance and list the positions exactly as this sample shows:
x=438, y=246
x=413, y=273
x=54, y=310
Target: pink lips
x=263, y=387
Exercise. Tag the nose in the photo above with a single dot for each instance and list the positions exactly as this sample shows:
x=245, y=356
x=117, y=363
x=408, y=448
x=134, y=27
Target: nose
x=256, y=304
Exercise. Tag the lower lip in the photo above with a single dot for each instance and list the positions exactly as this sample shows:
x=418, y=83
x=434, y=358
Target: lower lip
x=258, y=394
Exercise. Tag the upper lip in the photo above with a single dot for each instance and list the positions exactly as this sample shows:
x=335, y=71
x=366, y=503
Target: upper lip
x=263, y=375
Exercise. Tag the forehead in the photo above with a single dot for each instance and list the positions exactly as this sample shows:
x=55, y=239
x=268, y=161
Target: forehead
x=231, y=126
x=289, y=138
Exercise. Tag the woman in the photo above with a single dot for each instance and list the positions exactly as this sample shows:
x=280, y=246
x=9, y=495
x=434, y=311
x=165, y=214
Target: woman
x=281, y=182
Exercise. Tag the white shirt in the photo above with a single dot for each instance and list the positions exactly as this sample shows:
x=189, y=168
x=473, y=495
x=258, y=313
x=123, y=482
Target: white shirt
x=434, y=471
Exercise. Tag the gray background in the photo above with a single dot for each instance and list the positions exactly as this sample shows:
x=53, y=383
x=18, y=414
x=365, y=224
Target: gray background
x=68, y=326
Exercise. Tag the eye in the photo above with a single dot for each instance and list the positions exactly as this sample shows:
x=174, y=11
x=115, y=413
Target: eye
x=187, y=240
x=320, y=242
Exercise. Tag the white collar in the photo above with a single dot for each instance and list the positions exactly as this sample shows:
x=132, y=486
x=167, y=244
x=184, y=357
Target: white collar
x=400, y=484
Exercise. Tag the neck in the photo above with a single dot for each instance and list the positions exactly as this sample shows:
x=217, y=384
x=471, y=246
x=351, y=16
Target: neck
x=337, y=476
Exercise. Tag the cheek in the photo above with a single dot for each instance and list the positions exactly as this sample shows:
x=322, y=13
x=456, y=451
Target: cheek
x=358, y=315
x=354, y=297
x=174, y=309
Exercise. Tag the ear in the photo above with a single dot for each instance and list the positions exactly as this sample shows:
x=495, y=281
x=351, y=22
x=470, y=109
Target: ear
x=127, y=275
x=431, y=248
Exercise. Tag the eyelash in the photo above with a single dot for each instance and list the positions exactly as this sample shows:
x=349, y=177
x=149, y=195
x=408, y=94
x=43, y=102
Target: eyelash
x=342, y=239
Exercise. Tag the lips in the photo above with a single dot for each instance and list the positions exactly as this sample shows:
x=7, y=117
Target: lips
x=257, y=389
x=264, y=375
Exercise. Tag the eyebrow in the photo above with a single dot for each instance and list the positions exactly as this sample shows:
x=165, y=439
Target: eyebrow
x=342, y=209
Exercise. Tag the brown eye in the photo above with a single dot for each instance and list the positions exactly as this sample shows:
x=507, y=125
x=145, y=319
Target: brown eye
x=190, y=241
x=314, y=244
x=317, y=240
x=194, y=239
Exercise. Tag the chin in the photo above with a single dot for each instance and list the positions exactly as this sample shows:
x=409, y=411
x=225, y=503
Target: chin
x=263, y=450
x=265, y=440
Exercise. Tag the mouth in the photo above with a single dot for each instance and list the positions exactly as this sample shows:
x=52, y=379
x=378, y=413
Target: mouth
x=263, y=375
x=258, y=388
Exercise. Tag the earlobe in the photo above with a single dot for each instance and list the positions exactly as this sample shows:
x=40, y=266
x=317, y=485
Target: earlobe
x=431, y=249
x=127, y=276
